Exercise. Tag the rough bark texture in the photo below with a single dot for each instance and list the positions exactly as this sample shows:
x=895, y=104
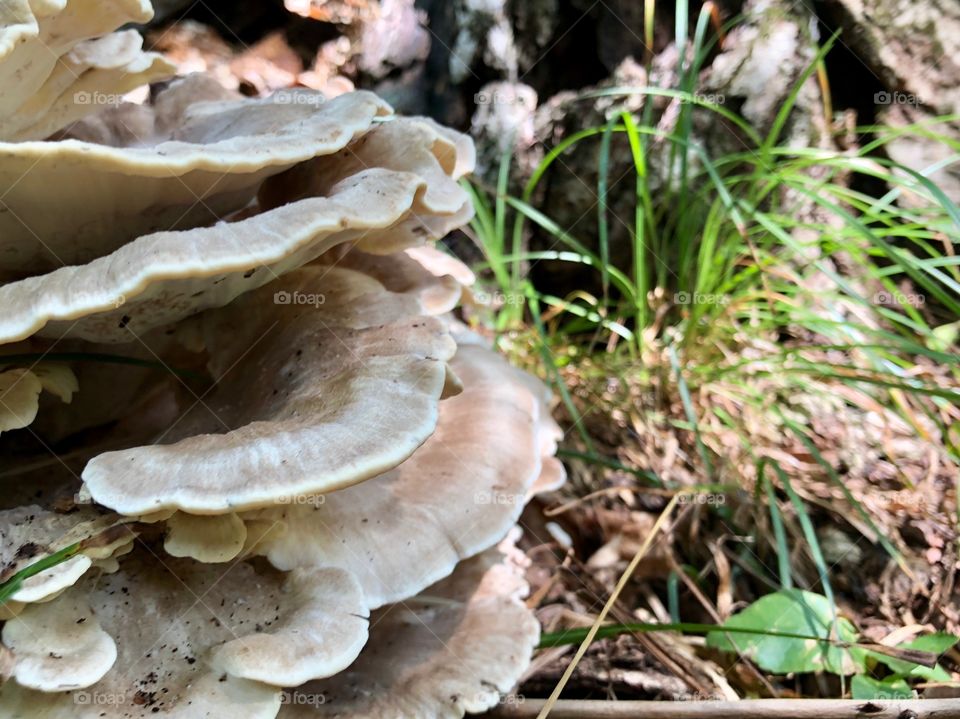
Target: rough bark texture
x=913, y=48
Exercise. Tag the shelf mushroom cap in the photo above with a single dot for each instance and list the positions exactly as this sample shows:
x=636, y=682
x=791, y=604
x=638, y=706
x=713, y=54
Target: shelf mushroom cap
x=455, y=648
x=58, y=646
x=311, y=397
x=462, y=491
x=207, y=539
x=442, y=264
x=20, y=390
x=439, y=286
x=201, y=160
x=31, y=533
x=412, y=144
x=38, y=36
x=19, y=398
x=215, y=640
x=93, y=73
x=163, y=277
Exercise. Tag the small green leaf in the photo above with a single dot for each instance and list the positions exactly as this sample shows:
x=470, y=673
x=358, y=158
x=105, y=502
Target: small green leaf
x=792, y=611
x=935, y=643
x=864, y=687
x=944, y=337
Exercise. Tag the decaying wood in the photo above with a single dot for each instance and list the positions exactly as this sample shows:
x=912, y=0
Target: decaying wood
x=751, y=709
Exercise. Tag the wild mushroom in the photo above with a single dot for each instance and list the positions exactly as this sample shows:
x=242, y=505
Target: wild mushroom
x=442, y=264
x=214, y=539
x=346, y=387
x=20, y=390
x=31, y=533
x=278, y=244
x=220, y=641
x=552, y=474
x=438, y=292
x=92, y=72
x=137, y=388
x=453, y=649
x=166, y=276
x=200, y=161
x=37, y=39
x=416, y=145
x=401, y=144
x=58, y=646
x=19, y=398
x=462, y=490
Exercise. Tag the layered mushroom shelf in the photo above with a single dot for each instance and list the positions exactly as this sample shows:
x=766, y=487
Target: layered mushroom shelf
x=252, y=466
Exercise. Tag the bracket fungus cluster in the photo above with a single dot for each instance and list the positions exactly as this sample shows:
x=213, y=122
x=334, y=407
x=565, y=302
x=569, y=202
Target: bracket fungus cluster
x=252, y=465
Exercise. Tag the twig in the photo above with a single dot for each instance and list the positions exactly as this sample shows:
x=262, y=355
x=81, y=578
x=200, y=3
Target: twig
x=748, y=709
x=641, y=552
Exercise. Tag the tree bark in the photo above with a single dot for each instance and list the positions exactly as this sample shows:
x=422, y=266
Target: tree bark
x=913, y=48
